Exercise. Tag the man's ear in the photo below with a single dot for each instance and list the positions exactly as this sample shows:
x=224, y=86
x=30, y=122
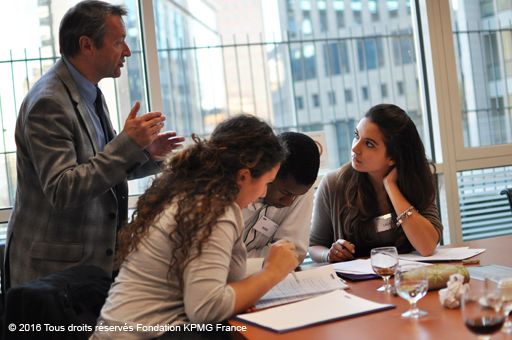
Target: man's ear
x=86, y=45
x=391, y=162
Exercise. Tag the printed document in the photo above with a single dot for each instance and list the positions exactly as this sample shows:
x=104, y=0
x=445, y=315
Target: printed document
x=334, y=305
x=301, y=285
x=362, y=266
x=443, y=254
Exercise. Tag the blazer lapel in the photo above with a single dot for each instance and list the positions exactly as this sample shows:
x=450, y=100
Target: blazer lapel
x=65, y=77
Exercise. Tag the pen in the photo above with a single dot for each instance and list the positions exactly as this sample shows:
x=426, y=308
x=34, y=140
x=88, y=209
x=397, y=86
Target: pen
x=295, y=277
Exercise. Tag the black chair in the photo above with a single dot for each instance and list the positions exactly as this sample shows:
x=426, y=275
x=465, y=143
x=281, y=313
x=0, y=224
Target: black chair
x=71, y=297
x=508, y=192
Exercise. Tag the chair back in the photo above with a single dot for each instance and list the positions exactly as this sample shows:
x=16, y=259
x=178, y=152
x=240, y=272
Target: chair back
x=508, y=192
x=73, y=297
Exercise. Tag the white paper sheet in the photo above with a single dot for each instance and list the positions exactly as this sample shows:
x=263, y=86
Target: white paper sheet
x=337, y=304
x=444, y=254
x=302, y=285
x=363, y=267
x=493, y=272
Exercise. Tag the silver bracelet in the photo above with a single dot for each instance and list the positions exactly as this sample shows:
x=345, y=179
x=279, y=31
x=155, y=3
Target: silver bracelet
x=404, y=215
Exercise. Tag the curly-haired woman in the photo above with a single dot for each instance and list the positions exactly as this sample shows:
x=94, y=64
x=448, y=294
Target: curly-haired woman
x=183, y=254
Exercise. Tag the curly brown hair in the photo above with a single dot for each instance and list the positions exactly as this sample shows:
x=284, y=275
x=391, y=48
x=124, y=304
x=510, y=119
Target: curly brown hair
x=201, y=180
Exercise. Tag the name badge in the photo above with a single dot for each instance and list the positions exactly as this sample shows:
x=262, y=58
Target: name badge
x=383, y=223
x=266, y=226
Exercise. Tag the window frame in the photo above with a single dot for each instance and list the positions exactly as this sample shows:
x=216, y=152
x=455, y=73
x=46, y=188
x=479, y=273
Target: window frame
x=440, y=94
x=440, y=80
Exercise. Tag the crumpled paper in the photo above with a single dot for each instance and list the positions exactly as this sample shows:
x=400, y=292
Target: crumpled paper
x=455, y=288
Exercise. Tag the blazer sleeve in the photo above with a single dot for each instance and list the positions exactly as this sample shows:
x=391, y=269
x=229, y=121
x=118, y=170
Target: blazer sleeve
x=54, y=136
x=148, y=168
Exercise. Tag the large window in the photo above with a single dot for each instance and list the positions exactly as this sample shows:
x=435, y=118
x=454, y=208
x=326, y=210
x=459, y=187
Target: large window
x=481, y=37
x=29, y=53
x=311, y=66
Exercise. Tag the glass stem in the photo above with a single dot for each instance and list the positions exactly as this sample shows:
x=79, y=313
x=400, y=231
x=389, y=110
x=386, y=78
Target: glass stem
x=386, y=282
x=413, y=307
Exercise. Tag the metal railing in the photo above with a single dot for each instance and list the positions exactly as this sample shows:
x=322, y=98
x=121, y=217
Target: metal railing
x=335, y=78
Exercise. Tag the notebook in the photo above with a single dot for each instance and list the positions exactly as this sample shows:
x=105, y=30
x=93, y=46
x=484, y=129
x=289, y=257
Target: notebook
x=334, y=305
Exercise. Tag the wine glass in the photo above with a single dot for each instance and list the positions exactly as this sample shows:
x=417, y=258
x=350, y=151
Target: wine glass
x=482, y=310
x=384, y=262
x=411, y=282
x=505, y=287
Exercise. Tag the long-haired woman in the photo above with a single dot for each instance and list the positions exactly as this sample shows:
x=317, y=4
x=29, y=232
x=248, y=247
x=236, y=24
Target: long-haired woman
x=384, y=197
x=183, y=254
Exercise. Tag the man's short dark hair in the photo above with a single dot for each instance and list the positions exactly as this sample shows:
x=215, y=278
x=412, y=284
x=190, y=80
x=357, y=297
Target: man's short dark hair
x=303, y=158
x=85, y=18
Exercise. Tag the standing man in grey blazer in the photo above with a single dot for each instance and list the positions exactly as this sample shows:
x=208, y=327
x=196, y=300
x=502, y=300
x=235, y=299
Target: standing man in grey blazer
x=72, y=168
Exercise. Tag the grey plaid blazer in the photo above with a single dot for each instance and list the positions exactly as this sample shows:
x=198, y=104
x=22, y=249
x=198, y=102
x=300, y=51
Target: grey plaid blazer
x=66, y=211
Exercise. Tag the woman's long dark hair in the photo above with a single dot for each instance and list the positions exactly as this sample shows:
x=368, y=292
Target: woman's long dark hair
x=415, y=178
x=202, y=181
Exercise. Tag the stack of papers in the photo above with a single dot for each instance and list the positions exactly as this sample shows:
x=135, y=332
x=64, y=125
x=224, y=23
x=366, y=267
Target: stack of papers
x=492, y=272
x=355, y=270
x=337, y=304
x=361, y=269
x=443, y=254
x=301, y=285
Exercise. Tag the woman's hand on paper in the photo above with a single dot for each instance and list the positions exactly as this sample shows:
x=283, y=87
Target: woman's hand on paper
x=281, y=259
x=341, y=250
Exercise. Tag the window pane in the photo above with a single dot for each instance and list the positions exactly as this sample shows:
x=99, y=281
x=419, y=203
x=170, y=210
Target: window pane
x=393, y=8
x=373, y=8
x=484, y=68
x=403, y=48
x=384, y=90
x=486, y=8
x=370, y=53
x=356, y=7
x=321, y=83
x=331, y=97
x=29, y=53
x=339, y=11
x=316, y=100
x=3, y=235
x=304, y=63
x=484, y=211
x=292, y=28
x=336, y=58
x=322, y=15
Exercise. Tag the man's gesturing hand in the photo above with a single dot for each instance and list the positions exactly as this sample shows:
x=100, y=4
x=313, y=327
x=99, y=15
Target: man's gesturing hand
x=144, y=129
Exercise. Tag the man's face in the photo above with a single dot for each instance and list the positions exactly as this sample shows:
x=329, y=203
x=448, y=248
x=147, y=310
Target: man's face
x=283, y=191
x=110, y=57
